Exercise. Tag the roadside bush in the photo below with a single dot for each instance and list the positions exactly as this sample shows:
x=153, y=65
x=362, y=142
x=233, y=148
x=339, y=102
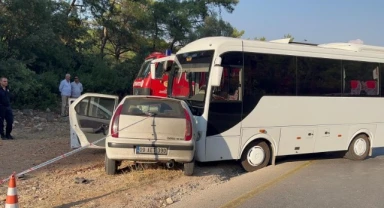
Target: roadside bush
x=23, y=83
x=100, y=76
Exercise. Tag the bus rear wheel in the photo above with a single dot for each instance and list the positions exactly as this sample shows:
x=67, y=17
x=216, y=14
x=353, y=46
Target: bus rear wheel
x=359, y=148
x=255, y=156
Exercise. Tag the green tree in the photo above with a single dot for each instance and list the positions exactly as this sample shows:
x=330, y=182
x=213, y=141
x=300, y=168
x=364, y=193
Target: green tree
x=181, y=20
x=102, y=41
x=261, y=38
x=289, y=36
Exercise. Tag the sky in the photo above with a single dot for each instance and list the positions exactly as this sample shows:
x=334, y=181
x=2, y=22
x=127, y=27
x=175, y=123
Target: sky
x=317, y=21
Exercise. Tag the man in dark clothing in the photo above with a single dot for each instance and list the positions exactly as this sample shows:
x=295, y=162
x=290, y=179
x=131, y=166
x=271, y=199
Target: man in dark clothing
x=5, y=109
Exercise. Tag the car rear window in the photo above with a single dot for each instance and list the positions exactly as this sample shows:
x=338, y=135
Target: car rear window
x=159, y=107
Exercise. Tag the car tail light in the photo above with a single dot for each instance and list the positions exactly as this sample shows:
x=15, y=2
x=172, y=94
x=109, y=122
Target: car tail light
x=188, y=126
x=115, y=122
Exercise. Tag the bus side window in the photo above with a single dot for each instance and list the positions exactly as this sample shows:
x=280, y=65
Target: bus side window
x=360, y=78
x=230, y=88
x=266, y=75
x=318, y=77
x=230, y=85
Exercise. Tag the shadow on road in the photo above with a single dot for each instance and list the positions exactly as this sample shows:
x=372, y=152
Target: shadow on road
x=379, y=151
x=312, y=156
x=71, y=204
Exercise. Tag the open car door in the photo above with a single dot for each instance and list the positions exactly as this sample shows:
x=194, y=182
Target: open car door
x=75, y=143
x=90, y=115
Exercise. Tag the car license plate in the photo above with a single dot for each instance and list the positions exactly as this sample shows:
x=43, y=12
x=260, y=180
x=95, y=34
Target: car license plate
x=152, y=150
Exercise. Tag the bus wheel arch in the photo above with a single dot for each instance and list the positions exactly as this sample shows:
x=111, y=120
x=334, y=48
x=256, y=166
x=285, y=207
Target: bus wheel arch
x=257, y=154
x=360, y=146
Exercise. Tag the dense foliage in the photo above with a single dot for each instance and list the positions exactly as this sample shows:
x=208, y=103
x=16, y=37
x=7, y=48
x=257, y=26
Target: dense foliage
x=101, y=41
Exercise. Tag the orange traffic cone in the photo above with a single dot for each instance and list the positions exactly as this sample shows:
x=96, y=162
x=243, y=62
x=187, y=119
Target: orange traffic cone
x=12, y=201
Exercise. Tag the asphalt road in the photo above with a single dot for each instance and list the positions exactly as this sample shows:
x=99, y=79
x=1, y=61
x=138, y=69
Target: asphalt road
x=301, y=181
x=328, y=183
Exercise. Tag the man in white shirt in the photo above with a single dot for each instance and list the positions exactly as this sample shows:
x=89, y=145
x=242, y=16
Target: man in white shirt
x=77, y=88
x=65, y=90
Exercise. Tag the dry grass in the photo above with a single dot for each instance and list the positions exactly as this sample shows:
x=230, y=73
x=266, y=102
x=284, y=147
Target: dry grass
x=146, y=185
x=57, y=187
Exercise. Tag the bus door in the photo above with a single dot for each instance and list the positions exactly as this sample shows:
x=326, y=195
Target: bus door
x=225, y=111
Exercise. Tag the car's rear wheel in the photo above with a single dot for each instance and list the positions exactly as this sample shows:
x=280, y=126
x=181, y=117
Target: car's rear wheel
x=189, y=167
x=110, y=166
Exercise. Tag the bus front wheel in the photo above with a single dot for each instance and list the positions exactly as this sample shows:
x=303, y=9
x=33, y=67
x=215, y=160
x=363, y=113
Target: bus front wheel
x=255, y=156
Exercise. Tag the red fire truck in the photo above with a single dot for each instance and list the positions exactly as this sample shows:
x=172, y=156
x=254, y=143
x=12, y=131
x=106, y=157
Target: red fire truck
x=152, y=78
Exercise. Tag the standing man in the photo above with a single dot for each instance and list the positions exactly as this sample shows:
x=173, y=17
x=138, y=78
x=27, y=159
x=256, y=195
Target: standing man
x=77, y=88
x=65, y=89
x=5, y=109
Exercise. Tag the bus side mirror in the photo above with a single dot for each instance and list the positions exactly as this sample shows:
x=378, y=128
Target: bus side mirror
x=216, y=74
x=218, y=61
x=153, y=71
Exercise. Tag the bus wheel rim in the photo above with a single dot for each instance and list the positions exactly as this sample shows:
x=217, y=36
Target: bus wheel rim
x=256, y=156
x=360, y=146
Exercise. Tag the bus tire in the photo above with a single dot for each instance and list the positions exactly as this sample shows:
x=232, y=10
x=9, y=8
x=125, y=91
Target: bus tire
x=188, y=168
x=359, y=148
x=110, y=166
x=255, y=156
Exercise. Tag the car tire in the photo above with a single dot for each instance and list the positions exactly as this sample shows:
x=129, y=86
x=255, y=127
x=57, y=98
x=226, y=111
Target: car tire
x=110, y=166
x=359, y=148
x=188, y=168
x=255, y=156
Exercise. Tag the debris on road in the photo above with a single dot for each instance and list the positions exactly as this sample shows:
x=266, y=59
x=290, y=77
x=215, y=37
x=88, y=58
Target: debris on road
x=169, y=200
x=81, y=180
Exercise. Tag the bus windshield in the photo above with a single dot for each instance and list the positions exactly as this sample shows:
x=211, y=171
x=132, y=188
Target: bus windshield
x=145, y=69
x=189, y=75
